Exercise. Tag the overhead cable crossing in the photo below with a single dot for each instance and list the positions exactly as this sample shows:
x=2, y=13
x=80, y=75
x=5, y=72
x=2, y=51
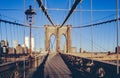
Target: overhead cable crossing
x=95, y=24
x=44, y=10
x=71, y=11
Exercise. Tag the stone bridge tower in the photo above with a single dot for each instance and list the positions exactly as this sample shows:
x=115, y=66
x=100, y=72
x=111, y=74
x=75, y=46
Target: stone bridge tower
x=58, y=32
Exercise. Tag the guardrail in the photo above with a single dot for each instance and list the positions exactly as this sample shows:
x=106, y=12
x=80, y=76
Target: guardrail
x=20, y=69
x=88, y=68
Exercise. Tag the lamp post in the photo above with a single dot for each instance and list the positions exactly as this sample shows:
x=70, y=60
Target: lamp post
x=29, y=18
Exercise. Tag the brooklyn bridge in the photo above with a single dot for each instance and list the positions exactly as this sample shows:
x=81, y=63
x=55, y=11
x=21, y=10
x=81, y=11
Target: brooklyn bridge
x=59, y=39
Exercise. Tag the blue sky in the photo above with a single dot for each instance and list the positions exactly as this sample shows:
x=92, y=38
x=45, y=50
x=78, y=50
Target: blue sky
x=104, y=36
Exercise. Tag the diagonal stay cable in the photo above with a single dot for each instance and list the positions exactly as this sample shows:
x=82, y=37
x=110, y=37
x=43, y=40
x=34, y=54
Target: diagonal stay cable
x=99, y=23
x=71, y=11
x=44, y=10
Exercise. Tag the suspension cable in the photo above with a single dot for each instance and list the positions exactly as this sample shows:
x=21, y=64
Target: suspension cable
x=71, y=11
x=44, y=10
x=19, y=24
x=96, y=24
x=5, y=21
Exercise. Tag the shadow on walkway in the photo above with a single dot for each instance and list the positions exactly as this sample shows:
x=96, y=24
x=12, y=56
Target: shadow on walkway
x=39, y=73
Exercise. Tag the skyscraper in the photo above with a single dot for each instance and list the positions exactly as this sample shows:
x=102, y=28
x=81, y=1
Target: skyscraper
x=32, y=43
x=27, y=42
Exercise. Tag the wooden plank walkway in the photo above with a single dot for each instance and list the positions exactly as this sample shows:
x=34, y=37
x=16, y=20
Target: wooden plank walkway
x=56, y=68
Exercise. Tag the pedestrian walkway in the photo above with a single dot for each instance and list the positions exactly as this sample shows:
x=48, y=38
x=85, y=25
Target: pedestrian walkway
x=56, y=68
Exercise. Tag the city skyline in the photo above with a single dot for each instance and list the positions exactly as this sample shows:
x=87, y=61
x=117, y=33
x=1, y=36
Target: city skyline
x=59, y=38
x=104, y=36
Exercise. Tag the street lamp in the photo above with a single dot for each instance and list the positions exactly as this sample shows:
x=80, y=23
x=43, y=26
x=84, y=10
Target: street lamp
x=29, y=18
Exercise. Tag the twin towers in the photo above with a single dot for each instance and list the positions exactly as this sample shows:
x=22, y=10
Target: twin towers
x=58, y=32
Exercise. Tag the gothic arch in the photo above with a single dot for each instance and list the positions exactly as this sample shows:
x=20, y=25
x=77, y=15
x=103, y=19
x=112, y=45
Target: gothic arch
x=66, y=30
x=50, y=40
x=63, y=47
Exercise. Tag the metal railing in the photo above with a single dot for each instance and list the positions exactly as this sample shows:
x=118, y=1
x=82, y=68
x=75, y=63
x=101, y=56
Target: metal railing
x=85, y=68
x=23, y=68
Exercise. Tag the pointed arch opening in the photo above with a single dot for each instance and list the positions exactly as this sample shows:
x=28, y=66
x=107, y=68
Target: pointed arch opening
x=52, y=43
x=63, y=43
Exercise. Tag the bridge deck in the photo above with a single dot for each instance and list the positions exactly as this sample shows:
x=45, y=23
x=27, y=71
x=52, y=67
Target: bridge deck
x=56, y=68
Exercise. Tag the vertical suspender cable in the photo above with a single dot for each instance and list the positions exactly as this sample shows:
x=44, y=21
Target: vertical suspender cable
x=19, y=37
x=0, y=38
x=117, y=32
x=24, y=20
x=81, y=25
x=6, y=30
x=24, y=35
x=34, y=21
x=14, y=32
x=11, y=35
x=0, y=31
x=34, y=4
x=45, y=4
x=24, y=31
x=91, y=19
x=34, y=9
x=68, y=5
x=17, y=34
